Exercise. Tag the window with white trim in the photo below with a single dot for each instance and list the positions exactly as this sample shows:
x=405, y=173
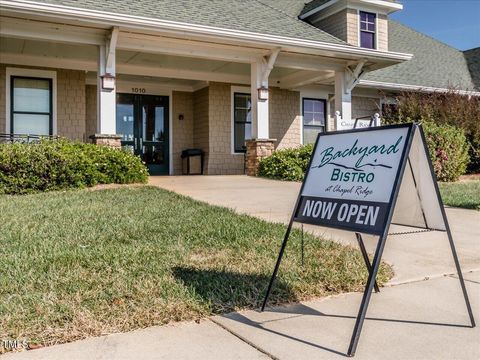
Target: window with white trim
x=242, y=120
x=368, y=29
x=314, y=113
x=31, y=106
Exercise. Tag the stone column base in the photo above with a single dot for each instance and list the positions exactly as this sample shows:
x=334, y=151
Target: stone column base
x=107, y=140
x=257, y=149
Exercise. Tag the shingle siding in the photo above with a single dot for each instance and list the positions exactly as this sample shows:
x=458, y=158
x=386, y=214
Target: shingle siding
x=285, y=120
x=200, y=122
x=182, y=130
x=221, y=161
x=71, y=104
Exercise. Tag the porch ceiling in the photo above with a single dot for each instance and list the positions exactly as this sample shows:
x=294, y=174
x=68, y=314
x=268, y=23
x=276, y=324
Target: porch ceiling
x=188, y=71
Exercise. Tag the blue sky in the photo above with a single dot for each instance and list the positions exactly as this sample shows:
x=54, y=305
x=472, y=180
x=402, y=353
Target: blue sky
x=454, y=22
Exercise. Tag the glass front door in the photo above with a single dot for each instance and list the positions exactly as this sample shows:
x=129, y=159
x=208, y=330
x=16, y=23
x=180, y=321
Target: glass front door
x=142, y=120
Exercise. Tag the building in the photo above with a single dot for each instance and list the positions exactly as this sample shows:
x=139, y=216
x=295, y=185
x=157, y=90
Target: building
x=236, y=79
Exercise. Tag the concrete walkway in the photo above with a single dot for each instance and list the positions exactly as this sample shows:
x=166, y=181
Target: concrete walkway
x=422, y=315
x=421, y=320
x=413, y=256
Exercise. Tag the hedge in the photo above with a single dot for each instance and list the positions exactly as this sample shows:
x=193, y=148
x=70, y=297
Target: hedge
x=63, y=164
x=449, y=108
x=447, y=145
x=448, y=149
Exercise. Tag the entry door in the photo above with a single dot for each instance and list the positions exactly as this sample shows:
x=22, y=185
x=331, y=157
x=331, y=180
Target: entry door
x=142, y=120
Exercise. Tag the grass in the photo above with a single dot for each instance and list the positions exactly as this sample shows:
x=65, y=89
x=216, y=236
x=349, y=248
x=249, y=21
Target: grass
x=84, y=263
x=463, y=194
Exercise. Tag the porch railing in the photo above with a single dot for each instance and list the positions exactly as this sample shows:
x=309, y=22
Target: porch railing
x=24, y=138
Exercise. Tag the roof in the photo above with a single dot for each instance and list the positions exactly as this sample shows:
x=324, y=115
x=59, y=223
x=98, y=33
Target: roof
x=472, y=57
x=292, y=8
x=257, y=16
x=312, y=5
x=317, y=3
x=434, y=63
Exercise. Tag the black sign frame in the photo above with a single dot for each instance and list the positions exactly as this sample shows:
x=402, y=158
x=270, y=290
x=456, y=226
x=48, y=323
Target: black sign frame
x=374, y=266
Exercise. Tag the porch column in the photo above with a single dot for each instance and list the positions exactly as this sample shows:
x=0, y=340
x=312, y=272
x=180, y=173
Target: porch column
x=106, y=94
x=260, y=145
x=259, y=107
x=343, y=100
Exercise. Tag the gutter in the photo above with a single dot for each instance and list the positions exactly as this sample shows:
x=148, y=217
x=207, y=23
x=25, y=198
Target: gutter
x=394, y=86
x=145, y=23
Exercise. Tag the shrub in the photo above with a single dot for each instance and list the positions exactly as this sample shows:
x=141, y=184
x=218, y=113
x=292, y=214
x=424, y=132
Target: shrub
x=447, y=145
x=442, y=108
x=62, y=164
x=288, y=164
x=448, y=149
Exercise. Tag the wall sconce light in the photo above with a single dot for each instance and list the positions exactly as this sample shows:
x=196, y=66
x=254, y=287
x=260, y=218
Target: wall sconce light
x=263, y=93
x=108, y=82
x=180, y=117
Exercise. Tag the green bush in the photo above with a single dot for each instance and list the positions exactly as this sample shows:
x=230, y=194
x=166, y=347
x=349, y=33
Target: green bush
x=448, y=149
x=448, y=108
x=62, y=164
x=447, y=145
x=288, y=164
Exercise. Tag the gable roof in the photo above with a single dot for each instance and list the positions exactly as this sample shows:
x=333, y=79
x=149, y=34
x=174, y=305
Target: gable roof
x=255, y=16
x=434, y=63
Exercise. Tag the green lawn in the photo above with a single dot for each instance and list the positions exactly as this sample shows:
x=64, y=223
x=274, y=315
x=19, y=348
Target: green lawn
x=464, y=194
x=84, y=263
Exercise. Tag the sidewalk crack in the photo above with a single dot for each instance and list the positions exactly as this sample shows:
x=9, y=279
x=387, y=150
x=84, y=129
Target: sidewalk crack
x=243, y=339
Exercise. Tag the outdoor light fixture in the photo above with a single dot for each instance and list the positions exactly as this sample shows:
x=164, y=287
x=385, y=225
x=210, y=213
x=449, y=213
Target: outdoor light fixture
x=108, y=82
x=263, y=93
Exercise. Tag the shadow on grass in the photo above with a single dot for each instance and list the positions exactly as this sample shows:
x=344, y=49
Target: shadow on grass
x=226, y=291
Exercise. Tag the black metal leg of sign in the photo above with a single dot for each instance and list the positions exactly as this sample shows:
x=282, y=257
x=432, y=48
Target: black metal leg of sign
x=279, y=260
x=366, y=296
x=449, y=233
x=459, y=272
x=365, y=257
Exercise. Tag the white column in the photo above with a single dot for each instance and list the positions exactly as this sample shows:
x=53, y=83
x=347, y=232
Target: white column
x=343, y=99
x=260, y=114
x=106, y=99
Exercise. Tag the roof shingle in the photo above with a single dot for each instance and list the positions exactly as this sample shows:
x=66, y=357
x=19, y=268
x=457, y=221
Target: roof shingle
x=247, y=15
x=434, y=63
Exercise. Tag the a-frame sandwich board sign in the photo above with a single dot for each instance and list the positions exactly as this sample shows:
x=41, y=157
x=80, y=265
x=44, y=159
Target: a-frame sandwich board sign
x=363, y=180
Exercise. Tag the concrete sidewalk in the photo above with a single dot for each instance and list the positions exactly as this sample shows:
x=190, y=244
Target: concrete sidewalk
x=422, y=320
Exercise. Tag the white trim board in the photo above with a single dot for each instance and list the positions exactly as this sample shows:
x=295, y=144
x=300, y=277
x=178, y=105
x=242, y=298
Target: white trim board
x=13, y=71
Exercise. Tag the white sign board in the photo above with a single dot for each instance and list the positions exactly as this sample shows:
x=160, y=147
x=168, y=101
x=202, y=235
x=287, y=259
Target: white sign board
x=352, y=177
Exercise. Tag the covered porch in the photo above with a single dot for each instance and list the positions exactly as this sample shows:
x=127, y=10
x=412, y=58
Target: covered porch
x=160, y=91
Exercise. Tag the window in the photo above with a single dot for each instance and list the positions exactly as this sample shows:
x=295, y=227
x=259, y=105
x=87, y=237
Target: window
x=367, y=30
x=314, y=118
x=242, y=120
x=31, y=106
